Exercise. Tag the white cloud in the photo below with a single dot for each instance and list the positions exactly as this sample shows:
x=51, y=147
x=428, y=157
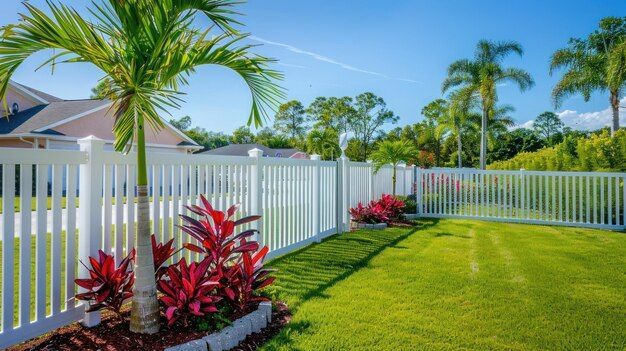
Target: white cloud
x=527, y=125
x=591, y=120
x=329, y=60
x=584, y=120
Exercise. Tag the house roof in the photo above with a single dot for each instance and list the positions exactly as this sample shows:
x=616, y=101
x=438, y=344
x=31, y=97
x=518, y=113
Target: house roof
x=287, y=153
x=54, y=111
x=242, y=150
x=237, y=150
x=39, y=93
x=33, y=119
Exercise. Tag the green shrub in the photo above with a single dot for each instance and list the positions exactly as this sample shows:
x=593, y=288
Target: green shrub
x=598, y=152
x=410, y=205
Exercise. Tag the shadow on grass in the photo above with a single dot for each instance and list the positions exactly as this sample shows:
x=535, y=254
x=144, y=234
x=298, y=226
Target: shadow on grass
x=307, y=273
x=441, y=234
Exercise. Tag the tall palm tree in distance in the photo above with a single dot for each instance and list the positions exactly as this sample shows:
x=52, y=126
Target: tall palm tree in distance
x=146, y=49
x=482, y=74
x=596, y=63
x=461, y=110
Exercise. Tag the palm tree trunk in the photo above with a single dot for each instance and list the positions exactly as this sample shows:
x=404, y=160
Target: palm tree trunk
x=393, y=181
x=483, y=140
x=144, y=317
x=615, y=110
x=459, y=149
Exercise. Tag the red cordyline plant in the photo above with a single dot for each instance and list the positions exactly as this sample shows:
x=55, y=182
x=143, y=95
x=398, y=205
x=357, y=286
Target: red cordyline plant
x=107, y=286
x=160, y=254
x=188, y=291
x=215, y=232
x=372, y=213
x=384, y=210
x=392, y=206
x=248, y=278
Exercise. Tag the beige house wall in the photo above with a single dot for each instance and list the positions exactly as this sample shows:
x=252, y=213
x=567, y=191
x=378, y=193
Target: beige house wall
x=100, y=124
x=15, y=143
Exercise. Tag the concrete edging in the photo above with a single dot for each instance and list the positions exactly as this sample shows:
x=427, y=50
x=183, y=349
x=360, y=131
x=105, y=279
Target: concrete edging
x=377, y=226
x=232, y=335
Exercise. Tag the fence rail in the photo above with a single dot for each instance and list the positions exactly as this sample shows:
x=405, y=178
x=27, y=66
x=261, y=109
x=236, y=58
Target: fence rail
x=92, y=197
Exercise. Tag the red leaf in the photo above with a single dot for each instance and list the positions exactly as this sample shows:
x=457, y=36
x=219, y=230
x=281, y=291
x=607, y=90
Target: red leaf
x=192, y=247
x=247, y=220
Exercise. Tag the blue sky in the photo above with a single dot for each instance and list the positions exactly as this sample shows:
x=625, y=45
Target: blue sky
x=397, y=49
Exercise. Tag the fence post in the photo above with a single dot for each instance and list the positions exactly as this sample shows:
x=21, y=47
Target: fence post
x=256, y=193
x=403, y=167
x=370, y=176
x=342, y=192
x=522, y=191
x=417, y=176
x=316, y=197
x=623, y=203
x=90, y=211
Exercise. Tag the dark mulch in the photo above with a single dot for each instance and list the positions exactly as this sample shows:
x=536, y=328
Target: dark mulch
x=112, y=334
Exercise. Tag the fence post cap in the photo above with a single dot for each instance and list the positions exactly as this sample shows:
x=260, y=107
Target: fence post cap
x=91, y=140
x=255, y=152
x=315, y=157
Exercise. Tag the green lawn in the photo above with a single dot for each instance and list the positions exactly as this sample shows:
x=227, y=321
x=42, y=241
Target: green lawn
x=456, y=284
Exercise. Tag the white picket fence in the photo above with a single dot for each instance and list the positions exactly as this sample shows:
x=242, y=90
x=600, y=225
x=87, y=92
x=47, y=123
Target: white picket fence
x=585, y=199
x=301, y=201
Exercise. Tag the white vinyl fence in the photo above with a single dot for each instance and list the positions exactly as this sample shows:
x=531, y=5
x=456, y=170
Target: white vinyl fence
x=92, y=197
x=585, y=199
x=367, y=185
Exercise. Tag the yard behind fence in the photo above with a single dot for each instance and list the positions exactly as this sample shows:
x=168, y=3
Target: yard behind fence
x=92, y=196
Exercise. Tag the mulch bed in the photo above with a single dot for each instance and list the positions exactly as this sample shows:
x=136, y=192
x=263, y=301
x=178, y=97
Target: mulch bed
x=112, y=334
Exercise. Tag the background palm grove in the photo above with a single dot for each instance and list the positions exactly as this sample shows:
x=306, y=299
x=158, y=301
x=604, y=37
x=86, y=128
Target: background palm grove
x=452, y=126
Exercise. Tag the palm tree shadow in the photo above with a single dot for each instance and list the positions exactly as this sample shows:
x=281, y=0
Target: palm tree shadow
x=307, y=273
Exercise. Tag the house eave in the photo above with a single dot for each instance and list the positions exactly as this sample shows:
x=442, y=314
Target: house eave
x=75, y=139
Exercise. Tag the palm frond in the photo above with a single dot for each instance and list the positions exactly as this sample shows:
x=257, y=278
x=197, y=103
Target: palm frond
x=521, y=78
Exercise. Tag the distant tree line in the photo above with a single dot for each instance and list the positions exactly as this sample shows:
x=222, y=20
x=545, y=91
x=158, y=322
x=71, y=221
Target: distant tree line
x=467, y=126
x=314, y=129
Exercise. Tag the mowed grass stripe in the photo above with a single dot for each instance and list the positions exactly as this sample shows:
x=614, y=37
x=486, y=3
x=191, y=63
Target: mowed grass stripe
x=457, y=284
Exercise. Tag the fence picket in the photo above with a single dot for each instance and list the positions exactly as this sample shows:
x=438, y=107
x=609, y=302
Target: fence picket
x=70, y=237
x=8, y=243
x=26, y=190
x=55, y=260
x=41, y=252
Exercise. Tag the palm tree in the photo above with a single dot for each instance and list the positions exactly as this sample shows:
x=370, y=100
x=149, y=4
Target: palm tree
x=146, y=50
x=324, y=142
x=392, y=152
x=481, y=76
x=461, y=106
x=596, y=63
x=431, y=132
